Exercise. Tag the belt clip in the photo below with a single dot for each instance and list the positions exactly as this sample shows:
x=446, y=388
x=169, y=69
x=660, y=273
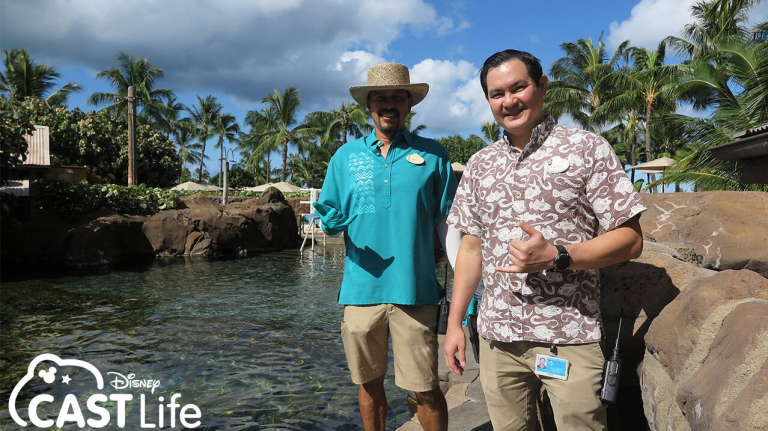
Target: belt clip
x=553, y=350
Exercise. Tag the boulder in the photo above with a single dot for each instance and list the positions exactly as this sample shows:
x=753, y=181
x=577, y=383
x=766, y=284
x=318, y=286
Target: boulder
x=727, y=230
x=108, y=240
x=638, y=291
x=705, y=364
x=206, y=228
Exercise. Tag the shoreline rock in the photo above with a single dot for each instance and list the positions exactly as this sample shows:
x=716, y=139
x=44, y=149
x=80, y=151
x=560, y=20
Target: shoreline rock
x=105, y=239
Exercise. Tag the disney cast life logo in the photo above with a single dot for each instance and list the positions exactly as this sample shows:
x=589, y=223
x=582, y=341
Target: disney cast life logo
x=71, y=411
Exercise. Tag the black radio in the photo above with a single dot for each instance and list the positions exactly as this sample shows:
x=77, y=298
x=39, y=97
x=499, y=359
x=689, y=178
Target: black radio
x=611, y=374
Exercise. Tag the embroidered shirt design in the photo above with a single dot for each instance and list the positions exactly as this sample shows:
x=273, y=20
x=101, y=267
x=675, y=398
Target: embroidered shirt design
x=361, y=173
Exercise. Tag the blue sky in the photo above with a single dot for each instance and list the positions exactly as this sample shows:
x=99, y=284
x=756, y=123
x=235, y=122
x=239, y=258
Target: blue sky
x=239, y=50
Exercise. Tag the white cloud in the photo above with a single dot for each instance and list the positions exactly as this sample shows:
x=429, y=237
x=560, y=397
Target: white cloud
x=650, y=22
x=242, y=48
x=455, y=103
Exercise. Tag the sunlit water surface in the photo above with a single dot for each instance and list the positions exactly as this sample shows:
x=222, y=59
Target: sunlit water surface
x=254, y=343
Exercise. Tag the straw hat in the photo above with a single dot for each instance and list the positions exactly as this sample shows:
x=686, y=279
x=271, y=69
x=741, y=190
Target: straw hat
x=389, y=76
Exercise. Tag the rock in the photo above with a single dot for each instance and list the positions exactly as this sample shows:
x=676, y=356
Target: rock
x=705, y=365
x=727, y=229
x=206, y=228
x=272, y=195
x=108, y=241
x=201, y=201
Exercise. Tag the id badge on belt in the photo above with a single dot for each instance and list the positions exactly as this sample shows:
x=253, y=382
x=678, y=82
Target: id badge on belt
x=551, y=366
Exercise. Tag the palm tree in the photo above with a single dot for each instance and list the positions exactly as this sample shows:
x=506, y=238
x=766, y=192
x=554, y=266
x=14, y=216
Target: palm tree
x=739, y=92
x=337, y=125
x=203, y=117
x=142, y=75
x=227, y=129
x=582, y=81
x=726, y=68
x=23, y=79
x=416, y=130
x=491, y=131
x=276, y=126
x=649, y=88
x=716, y=21
x=168, y=120
x=189, y=151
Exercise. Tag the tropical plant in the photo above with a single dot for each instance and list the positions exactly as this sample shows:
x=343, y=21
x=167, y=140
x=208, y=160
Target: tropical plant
x=226, y=128
x=168, y=120
x=416, y=130
x=649, y=88
x=582, y=82
x=739, y=93
x=275, y=126
x=143, y=76
x=16, y=121
x=203, y=116
x=491, y=131
x=726, y=71
x=189, y=151
x=337, y=125
x=461, y=149
x=714, y=22
x=23, y=78
x=98, y=141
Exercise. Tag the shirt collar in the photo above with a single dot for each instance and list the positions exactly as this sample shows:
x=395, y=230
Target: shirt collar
x=540, y=134
x=373, y=142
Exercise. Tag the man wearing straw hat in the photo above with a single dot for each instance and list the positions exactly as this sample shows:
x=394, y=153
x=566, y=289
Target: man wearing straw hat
x=387, y=192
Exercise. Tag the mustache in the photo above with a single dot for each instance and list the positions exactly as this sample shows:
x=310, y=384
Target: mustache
x=387, y=113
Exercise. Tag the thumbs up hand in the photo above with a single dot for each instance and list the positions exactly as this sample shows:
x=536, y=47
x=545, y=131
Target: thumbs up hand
x=533, y=255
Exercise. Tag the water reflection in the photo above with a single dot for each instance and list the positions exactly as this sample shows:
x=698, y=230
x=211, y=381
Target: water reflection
x=253, y=342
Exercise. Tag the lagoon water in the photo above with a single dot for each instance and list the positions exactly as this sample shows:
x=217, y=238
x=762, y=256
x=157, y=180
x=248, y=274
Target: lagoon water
x=254, y=343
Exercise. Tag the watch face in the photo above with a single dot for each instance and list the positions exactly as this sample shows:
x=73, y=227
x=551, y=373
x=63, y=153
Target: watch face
x=563, y=260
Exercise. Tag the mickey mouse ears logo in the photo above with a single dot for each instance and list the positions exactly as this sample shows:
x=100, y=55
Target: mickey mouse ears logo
x=48, y=376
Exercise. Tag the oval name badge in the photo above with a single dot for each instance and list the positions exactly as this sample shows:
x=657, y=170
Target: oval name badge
x=415, y=159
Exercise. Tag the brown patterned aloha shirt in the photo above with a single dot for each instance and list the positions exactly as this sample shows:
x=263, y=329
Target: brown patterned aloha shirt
x=563, y=183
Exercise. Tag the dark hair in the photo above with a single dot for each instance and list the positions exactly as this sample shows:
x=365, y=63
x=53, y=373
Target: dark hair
x=531, y=63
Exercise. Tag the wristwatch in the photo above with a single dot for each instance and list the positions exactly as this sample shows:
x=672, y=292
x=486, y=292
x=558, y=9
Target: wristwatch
x=563, y=259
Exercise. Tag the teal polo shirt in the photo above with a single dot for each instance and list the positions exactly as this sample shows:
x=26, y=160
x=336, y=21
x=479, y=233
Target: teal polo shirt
x=390, y=246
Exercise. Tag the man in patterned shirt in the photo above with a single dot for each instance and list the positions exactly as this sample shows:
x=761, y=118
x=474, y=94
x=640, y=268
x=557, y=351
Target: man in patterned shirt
x=387, y=192
x=529, y=206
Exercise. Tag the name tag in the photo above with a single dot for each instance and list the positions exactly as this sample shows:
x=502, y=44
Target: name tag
x=551, y=366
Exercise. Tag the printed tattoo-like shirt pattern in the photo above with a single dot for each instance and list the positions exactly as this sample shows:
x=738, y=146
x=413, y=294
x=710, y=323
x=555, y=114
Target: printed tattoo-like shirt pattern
x=564, y=183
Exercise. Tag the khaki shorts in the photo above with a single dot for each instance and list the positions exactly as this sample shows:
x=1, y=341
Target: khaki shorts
x=365, y=331
x=511, y=387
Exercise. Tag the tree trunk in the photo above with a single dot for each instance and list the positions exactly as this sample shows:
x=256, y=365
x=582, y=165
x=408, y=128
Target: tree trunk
x=221, y=162
x=285, y=159
x=648, y=149
x=269, y=170
x=202, y=158
x=632, y=155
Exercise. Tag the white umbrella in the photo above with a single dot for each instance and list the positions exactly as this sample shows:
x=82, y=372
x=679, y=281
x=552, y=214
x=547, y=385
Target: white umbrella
x=190, y=185
x=658, y=165
x=282, y=186
x=458, y=167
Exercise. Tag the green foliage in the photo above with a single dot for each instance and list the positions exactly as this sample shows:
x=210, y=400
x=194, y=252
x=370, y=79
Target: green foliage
x=76, y=199
x=99, y=141
x=239, y=177
x=461, y=149
x=14, y=124
x=23, y=79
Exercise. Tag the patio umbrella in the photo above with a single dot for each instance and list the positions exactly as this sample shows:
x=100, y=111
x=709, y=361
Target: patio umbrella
x=658, y=165
x=190, y=185
x=282, y=186
x=458, y=167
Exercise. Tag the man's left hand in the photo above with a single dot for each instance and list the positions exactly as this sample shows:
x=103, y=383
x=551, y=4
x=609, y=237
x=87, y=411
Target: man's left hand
x=533, y=255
